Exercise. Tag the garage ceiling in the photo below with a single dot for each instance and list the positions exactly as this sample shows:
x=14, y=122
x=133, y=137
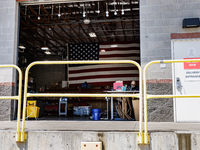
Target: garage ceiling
x=40, y=25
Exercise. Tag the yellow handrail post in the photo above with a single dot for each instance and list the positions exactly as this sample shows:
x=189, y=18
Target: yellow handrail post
x=23, y=133
x=146, y=134
x=18, y=133
x=140, y=134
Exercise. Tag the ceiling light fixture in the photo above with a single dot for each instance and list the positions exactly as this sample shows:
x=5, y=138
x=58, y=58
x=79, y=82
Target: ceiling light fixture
x=92, y=34
x=22, y=47
x=39, y=13
x=47, y=52
x=86, y=21
x=25, y=10
x=83, y=10
x=59, y=14
x=107, y=13
x=44, y=48
x=52, y=11
x=115, y=13
x=122, y=8
x=98, y=11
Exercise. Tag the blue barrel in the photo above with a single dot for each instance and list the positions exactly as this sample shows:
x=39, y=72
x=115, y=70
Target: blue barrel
x=96, y=114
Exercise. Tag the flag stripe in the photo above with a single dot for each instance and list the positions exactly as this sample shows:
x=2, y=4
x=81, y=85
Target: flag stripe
x=80, y=75
x=120, y=58
x=103, y=76
x=120, y=49
x=118, y=55
x=120, y=52
x=102, y=66
x=101, y=81
x=119, y=45
x=71, y=73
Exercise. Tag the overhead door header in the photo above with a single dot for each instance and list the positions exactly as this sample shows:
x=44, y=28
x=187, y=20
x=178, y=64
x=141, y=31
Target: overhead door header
x=40, y=2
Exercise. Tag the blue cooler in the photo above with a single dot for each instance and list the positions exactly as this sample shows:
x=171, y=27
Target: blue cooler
x=96, y=114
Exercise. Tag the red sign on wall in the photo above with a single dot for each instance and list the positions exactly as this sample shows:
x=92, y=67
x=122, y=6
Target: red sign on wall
x=191, y=65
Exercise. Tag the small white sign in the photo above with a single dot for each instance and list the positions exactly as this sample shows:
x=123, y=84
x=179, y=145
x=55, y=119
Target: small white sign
x=192, y=75
x=191, y=52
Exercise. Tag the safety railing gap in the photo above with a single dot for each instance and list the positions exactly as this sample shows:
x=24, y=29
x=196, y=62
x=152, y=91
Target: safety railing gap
x=140, y=134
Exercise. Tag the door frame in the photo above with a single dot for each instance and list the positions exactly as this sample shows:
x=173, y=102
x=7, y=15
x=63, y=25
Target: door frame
x=179, y=37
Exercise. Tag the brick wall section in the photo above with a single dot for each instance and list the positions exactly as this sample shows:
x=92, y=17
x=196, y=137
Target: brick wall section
x=47, y=74
x=8, y=53
x=6, y=106
x=160, y=110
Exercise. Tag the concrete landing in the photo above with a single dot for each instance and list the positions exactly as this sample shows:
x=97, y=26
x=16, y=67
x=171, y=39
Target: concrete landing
x=121, y=126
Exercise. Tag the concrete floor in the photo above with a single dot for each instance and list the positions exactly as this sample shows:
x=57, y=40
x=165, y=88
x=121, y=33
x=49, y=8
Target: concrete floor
x=107, y=126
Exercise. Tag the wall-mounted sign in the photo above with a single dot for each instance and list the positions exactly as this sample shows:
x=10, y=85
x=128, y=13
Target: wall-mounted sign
x=24, y=0
x=192, y=65
x=192, y=70
x=191, y=52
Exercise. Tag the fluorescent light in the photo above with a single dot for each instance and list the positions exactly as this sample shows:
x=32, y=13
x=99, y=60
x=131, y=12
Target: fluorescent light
x=86, y=21
x=114, y=45
x=92, y=34
x=22, y=47
x=107, y=14
x=83, y=14
x=44, y=48
x=47, y=52
x=103, y=50
x=122, y=12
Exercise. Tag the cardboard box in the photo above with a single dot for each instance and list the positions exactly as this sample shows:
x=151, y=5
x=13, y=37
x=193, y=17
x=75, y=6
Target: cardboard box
x=30, y=79
x=64, y=84
x=136, y=108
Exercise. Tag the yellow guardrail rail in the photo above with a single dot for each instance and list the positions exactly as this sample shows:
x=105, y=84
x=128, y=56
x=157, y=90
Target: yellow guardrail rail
x=146, y=134
x=18, y=97
x=140, y=134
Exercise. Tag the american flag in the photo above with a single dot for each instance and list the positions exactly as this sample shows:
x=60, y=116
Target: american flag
x=104, y=74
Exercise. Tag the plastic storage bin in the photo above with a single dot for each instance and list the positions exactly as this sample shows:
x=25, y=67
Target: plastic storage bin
x=82, y=110
x=31, y=113
x=96, y=114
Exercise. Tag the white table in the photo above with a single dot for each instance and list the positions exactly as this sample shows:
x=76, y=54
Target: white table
x=115, y=92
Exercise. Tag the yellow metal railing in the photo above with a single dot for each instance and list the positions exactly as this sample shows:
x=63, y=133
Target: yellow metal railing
x=146, y=134
x=24, y=134
x=18, y=97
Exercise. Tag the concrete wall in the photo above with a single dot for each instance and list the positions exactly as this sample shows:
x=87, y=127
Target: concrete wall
x=8, y=53
x=71, y=140
x=158, y=19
